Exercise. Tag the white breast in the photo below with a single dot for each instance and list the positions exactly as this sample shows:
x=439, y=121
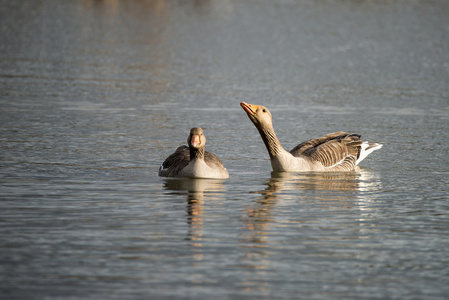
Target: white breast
x=199, y=169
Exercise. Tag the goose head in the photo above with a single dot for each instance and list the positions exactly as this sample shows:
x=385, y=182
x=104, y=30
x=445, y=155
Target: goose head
x=196, y=139
x=258, y=114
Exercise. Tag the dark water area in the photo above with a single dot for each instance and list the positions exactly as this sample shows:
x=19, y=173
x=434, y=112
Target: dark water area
x=96, y=94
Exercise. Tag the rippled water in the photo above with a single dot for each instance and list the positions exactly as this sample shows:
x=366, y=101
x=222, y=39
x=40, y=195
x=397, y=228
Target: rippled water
x=95, y=94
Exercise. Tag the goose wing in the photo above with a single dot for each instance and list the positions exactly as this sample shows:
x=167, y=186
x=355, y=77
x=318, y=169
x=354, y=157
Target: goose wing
x=338, y=151
x=177, y=161
x=213, y=161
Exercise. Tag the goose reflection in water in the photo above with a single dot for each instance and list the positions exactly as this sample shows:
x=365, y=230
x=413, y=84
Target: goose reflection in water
x=196, y=190
x=285, y=190
x=287, y=183
x=282, y=181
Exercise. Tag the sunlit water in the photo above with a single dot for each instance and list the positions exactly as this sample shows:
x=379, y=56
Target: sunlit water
x=95, y=94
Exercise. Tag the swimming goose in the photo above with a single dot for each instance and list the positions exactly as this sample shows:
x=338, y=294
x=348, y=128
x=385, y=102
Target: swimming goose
x=192, y=161
x=334, y=152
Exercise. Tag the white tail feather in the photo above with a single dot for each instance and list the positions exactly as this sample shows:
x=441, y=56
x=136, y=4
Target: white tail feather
x=367, y=148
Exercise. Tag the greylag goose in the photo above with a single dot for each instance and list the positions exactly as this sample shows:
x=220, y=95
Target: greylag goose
x=334, y=152
x=192, y=161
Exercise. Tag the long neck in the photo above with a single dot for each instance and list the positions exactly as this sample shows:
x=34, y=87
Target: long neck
x=271, y=141
x=196, y=153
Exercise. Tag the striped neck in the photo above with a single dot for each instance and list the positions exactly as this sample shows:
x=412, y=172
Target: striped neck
x=271, y=141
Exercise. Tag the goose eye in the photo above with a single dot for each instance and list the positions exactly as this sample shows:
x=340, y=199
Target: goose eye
x=264, y=110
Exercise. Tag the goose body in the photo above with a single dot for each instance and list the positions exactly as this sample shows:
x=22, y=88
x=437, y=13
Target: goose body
x=192, y=161
x=334, y=152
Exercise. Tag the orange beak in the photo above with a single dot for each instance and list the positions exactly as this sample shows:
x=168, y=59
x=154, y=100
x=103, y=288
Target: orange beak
x=249, y=108
x=195, y=140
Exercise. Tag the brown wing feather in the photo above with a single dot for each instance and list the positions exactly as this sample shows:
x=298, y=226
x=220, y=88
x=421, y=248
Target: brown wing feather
x=298, y=150
x=213, y=161
x=175, y=162
x=339, y=149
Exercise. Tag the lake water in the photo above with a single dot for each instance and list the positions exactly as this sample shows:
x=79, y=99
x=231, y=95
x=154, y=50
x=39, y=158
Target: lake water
x=96, y=94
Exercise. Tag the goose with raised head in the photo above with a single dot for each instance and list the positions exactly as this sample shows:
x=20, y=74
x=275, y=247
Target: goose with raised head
x=334, y=152
x=192, y=161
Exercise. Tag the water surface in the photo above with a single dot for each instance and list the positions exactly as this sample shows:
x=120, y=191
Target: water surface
x=95, y=94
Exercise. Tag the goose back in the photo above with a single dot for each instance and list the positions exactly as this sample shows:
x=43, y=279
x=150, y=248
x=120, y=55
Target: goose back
x=336, y=151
